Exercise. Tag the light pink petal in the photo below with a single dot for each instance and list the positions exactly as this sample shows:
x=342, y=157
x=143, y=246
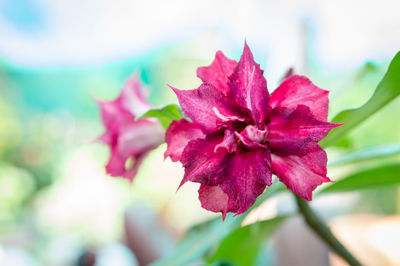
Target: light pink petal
x=249, y=87
x=202, y=164
x=178, y=135
x=300, y=90
x=218, y=72
x=248, y=175
x=295, y=131
x=139, y=137
x=205, y=106
x=302, y=174
x=112, y=114
x=116, y=164
x=133, y=97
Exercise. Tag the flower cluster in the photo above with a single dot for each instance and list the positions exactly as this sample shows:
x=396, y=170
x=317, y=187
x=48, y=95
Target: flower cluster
x=130, y=140
x=239, y=135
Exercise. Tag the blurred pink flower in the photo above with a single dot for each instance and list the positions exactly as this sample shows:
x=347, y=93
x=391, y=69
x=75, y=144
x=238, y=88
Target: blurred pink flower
x=239, y=134
x=130, y=140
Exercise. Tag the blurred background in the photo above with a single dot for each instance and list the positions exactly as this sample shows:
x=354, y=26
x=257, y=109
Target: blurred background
x=57, y=205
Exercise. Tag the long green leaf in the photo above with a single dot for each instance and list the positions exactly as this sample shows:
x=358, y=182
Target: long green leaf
x=165, y=114
x=243, y=245
x=200, y=238
x=388, y=89
x=367, y=154
x=376, y=177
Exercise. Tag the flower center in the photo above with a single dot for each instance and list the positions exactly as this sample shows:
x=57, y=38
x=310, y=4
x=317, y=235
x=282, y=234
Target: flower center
x=252, y=137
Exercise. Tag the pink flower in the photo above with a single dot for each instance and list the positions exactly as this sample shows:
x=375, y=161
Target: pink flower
x=239, y=134
x=128, y=138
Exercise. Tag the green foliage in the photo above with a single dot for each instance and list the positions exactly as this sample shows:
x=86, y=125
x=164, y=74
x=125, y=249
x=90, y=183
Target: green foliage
x=242, y=246
x=368, y=154
x=200, y=238
x=165, y=114
x=388, y=89
x=380, y=176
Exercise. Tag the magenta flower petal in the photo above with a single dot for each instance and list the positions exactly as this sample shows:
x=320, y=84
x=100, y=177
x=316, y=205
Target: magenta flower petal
x=295, y=131
x=178, y=135
x=205, y=106
x=248, y=175
x=202, y=164
x=249, y=87
x=300, y=90
x=218, y=72
x=302, y=174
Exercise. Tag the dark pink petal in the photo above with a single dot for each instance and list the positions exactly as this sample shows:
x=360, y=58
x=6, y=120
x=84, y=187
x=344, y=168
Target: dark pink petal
x=302, y=174
x=229, y=142
x=252, y=137
x=133, y=97
x=139, y=136
x=295, y=132
x=202, y=164
x=178, y=135
x=218, y=72
x=300, y=90
x=248, y=175
x=205, y=106
x=249, y=87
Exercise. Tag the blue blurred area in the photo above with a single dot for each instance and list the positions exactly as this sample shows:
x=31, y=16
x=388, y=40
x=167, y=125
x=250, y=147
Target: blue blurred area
x=25, y=15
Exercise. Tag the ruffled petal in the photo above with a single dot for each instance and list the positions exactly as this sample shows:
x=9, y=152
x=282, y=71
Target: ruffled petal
x=248, y=174
x=178, y=135
x=202, y=164
x=249, y=87
x=229, y=142
x=295, y=132
x=218, y=72
x=297, y=90
x=302, y=174
x=206, y=106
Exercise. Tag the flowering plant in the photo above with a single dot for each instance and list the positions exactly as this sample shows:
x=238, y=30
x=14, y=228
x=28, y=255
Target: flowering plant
x=235, y=136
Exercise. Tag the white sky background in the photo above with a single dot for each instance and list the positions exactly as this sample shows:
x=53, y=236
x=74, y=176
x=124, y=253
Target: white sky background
x=91, y=32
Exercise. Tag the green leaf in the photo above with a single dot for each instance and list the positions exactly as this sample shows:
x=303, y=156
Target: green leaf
x=165, y=114
x=367, y=154
x=388, y=89
x=376, y=177
x=200, y=238
x=243, y=245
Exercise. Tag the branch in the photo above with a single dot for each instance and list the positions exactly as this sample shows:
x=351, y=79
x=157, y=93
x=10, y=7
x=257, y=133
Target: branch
x=323, y=231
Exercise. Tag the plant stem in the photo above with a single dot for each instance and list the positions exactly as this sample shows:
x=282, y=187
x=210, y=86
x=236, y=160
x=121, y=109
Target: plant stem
x=323, y=231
